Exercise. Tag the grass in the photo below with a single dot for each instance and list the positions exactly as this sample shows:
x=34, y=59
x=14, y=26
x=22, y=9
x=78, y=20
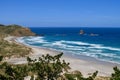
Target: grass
x=12, y=49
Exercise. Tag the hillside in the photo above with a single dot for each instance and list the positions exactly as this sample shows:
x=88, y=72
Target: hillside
x=15, y=30
x=8, y=49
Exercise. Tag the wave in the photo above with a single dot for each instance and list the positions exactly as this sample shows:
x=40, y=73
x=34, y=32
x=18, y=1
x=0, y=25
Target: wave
x=32, y=40
x=107, y=48
x=58, y=43
x=99, y=46
x=98, y=51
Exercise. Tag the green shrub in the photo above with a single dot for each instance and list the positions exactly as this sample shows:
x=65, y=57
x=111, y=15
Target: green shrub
x=45, y=68
x=76, y=75
x=116, y=74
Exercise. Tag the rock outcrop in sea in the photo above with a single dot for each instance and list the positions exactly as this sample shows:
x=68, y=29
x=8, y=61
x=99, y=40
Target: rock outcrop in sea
x=82, y=32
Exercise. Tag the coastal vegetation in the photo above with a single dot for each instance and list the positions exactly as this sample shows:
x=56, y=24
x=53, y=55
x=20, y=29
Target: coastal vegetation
x=8, y=49
x=47, y=67
x=15, y=30
x=12, y=49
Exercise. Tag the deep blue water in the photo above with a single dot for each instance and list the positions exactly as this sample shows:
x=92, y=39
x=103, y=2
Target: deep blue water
x=105, y=46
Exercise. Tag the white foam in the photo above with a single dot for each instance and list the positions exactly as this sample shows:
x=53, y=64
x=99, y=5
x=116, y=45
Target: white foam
x=99, y=46
x=103, y=47
x=34, y=38
x=31, y=40
x=58, y=43
x=111, y=48
x=20, y=40
x=75, y=42
x=76, y=47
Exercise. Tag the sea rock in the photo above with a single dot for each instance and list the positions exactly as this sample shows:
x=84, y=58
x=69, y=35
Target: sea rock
x=82, y=32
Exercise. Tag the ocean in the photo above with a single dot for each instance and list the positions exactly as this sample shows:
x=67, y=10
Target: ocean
x=99, y=43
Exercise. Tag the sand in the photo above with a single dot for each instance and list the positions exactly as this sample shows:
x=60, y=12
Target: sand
x=84, y=64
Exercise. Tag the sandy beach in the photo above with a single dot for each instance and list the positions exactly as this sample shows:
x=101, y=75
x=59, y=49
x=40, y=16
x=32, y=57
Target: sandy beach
x=84, y=64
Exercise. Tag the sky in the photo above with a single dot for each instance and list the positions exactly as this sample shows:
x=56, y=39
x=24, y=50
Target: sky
x=61, y=13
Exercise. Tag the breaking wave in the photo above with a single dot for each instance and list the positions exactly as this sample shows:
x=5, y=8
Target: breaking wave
x=98, y=51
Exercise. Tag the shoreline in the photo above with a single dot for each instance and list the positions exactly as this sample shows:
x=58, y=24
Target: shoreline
x=85, y=64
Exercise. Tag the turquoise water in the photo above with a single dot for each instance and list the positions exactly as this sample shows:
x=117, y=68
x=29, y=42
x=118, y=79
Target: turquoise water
x=105, y=46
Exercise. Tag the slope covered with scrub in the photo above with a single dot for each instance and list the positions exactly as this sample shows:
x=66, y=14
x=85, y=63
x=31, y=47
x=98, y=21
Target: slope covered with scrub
x=15, y=30
x=12, y=49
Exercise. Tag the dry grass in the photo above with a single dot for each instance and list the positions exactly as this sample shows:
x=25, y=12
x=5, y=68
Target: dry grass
x=12, y=49
x=102, y=78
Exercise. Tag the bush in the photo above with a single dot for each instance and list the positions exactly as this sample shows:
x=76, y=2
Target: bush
x=45, y=68
x=76, y=75
x=48, y=67
x=116, y=74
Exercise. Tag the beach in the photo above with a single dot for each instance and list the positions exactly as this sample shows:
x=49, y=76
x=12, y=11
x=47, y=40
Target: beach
x=60, y=40
x=86, y=65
